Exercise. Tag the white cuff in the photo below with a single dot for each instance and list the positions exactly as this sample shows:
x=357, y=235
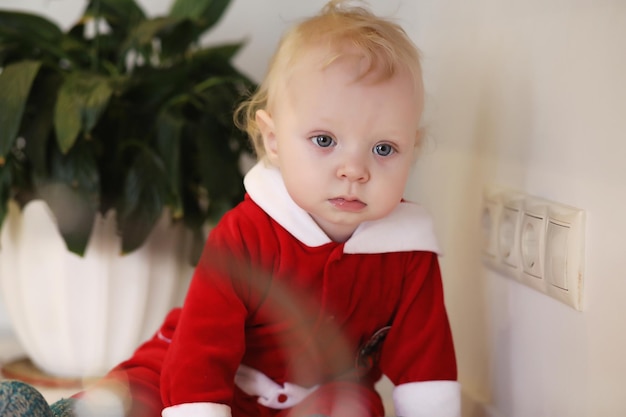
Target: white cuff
x=197, y=410
x=428, y=399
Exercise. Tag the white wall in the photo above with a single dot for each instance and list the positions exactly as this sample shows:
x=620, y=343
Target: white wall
x=530, y=94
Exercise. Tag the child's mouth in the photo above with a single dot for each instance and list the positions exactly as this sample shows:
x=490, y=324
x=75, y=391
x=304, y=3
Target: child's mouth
x=347, y=204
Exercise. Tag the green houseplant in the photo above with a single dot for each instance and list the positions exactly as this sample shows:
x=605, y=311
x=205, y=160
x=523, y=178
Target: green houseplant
x=121, y=117
x=120, y=112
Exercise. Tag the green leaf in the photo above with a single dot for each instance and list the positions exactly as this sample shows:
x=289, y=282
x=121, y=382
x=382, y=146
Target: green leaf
x=120, y=14
x=145, y=32
x=31, y=30
x=137, y=138
x=211, y=83
x=37, y=122
x=5, y=191
x=81, y=101
x=73, y=214
x=79, y=169
x=67, y=119
x=169, y=132
x=72, y=193
x=144, y=197
x=217, y=164
x=28, y=26
x=15, y=83
x=222, y=53
x=214, y=61
x=204, y=12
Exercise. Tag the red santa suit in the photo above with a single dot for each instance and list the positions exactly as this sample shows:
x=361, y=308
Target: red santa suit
x=278, y=317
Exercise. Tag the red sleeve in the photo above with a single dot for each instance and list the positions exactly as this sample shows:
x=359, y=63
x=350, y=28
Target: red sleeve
x=419, y=346
x=209, y=342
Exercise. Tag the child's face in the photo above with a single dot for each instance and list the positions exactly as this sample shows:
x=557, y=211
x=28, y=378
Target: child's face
x=344, y=147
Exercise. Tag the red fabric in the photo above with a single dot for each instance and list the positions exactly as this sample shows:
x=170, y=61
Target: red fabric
x=340, y=399
x=298, y=314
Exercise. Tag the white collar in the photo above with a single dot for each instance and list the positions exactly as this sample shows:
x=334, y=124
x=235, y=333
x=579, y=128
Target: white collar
x=407, y=228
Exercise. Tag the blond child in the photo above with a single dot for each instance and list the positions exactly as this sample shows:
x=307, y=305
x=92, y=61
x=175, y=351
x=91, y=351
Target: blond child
x=324, y=277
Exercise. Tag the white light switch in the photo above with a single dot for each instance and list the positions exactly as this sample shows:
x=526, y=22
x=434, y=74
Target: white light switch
x=535, y=241
x=532, y=244
x=489, y=217
x=556, y=250
x=507, y=235
x=565, y=254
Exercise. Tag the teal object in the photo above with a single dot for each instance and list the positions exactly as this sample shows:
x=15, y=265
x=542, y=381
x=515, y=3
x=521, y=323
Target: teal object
x=63, y=408
x=18, y=399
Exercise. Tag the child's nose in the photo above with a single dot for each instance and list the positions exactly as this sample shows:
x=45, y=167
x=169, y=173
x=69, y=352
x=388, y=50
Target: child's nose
x=354, y=170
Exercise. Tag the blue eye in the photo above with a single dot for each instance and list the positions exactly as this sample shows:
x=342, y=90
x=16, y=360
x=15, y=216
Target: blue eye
x=323, y=141
x=383, y=149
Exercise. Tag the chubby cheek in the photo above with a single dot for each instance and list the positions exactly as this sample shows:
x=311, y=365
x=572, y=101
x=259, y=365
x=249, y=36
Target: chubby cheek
x=303, y=188
x=390, y=196
x=291, y=149
x=306, y=181
x=300, y=161
x=391, y=188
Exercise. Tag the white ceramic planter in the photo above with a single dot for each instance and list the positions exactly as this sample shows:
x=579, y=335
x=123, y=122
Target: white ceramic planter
x=78, y=317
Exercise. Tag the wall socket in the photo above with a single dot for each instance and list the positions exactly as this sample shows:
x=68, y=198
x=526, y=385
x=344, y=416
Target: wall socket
x=535, y=241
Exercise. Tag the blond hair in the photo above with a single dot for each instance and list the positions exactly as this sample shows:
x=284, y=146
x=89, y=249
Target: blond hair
x=383, y=44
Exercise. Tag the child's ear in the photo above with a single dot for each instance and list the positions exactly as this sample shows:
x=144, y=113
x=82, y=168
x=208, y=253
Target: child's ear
x=419, y=137
x=266, y=127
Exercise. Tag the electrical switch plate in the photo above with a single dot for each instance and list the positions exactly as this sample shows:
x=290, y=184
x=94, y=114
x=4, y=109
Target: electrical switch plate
x=556, y=266
x=564, y=254
x=489, y=218
x=532, y=243
x=492, y=209
x=508, y=232
x=535, y=241
x=507, y=236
